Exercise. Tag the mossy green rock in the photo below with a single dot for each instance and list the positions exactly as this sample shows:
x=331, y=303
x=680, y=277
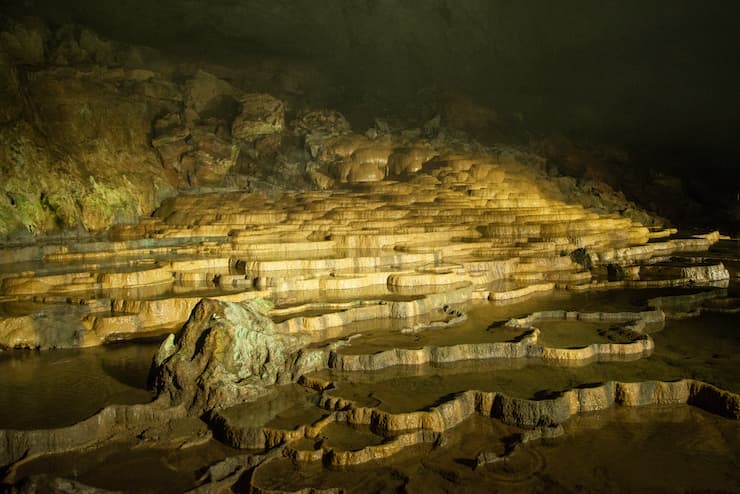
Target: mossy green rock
x=75, y=149
x=226, y=354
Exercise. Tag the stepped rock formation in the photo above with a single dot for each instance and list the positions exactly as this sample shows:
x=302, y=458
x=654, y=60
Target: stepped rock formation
x=407, y=235
x=342, y=302
x=462, y=226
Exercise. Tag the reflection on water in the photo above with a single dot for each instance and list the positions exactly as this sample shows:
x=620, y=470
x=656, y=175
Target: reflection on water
x=56, y=388
x=706, y=348
x=485, y=321
x=291, y=406
x=121, y=466
x=691, y=449
x=574, y=334
x=344, y=437
x=646, y=449
x=650, y=449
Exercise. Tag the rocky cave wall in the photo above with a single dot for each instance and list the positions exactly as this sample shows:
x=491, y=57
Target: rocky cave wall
x=658, y=79
x=94, y=132
x=612, y=64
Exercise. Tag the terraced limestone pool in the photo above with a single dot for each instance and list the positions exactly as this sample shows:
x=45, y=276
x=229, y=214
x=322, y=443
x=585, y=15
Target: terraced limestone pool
x=451, y=326
x=57, y=388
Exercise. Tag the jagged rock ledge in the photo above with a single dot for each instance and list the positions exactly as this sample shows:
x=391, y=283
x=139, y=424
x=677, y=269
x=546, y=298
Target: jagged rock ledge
x=407, y=429
x=444, y=223
x=113, y=421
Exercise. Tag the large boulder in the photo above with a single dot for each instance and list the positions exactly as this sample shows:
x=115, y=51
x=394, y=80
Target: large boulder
x=209, y=97
x=261, y=115
x=227, y=353
x=24, y=40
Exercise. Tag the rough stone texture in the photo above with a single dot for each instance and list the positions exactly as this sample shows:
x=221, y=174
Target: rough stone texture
x=705, y=273
x=112, y=421
x=107, y=132
x=226, y=354
x=211, y=159
x=497, y=54
x=78, y=139
x=54, y=485
x=207, y=96
x=455, y=222
x=463, y=225
x=24, y=40
x=320, y=123
x=261, y=115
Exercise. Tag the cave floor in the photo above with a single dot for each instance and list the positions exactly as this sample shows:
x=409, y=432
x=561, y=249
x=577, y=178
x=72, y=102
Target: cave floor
x=58, y=388
x=478, y=338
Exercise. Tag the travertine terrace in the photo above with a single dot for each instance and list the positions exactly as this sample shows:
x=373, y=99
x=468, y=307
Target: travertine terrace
x=407, y=231
x=401, y=233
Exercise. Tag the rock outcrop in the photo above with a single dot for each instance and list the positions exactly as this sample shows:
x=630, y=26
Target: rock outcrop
x=227, y=353
x=454, y=227
x=107, y=131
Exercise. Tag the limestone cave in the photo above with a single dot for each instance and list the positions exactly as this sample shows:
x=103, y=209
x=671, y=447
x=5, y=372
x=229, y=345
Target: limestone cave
x=369, y=246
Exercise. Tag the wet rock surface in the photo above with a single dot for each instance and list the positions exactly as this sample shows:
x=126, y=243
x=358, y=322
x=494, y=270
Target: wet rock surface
x=397, y=308
x=324, y=421
x=79, y=109
x=365, y=298
x=226, y=354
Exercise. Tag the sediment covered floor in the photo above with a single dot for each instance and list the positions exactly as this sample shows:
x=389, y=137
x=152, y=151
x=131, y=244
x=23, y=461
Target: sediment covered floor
x=429, y=292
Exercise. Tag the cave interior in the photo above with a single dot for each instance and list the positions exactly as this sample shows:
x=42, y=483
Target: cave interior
x=369, y=246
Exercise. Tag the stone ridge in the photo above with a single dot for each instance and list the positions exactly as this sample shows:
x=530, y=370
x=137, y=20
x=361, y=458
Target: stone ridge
x=409, y=429
x=261, y=296
x=223, y=347
x=231, y=353
x=449, y=227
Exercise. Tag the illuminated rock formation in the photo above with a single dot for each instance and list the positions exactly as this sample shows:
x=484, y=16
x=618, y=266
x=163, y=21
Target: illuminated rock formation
x=226, y=354
x=340, y=301
x=456, y=229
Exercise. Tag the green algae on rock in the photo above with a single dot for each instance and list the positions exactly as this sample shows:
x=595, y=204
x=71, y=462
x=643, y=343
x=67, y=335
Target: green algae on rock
x=226, y=354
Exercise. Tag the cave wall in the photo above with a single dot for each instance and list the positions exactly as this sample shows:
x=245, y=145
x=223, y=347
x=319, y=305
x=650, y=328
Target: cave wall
x=660, y=77
x=630, y=65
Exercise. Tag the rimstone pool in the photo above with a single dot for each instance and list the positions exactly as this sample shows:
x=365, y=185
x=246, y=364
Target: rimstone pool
x=445, y=335
x=58, y=388
x=369, y=246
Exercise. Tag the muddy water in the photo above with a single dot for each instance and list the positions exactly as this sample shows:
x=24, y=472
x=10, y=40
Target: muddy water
x=397, y=391
x=56, y=388
x=121, y=466
x=646, y=449
x=692, y=450
x=681, y=449
x=344, y=437
x=289, y=407
x=485, y=322
x=572, y=334
x=705, y=348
